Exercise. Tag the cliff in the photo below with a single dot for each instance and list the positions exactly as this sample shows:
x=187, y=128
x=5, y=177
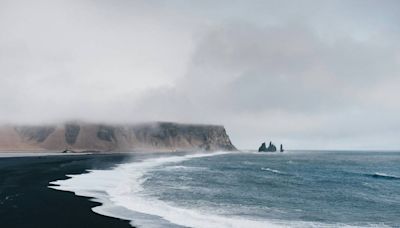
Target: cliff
x=76, y=136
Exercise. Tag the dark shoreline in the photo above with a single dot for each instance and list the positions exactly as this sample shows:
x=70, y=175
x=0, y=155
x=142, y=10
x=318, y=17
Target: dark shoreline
x=26, y=200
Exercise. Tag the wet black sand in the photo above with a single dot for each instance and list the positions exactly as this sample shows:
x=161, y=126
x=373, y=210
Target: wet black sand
x=26, y=201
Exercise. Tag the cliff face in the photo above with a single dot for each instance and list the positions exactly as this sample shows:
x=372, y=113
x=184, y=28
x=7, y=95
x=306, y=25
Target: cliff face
x=101, y=137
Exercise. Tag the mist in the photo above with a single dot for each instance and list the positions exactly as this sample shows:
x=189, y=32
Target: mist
x=309, y=74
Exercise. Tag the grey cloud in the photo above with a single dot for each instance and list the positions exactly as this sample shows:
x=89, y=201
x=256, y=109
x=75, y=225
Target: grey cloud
x=82, y=59
x=245, y=68
x=240, y=70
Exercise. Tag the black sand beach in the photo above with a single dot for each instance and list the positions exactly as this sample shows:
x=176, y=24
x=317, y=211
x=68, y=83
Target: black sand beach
x=26, y=200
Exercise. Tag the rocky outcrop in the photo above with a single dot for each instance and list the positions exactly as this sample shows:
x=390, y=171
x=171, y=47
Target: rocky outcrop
x=106, y=133
x=264, y=148
x=38, y=133
x=71, y=133
x=173, y=135
x=76, y=136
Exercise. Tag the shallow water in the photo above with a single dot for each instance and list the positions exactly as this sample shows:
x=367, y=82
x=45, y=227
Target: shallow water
x=291, y=189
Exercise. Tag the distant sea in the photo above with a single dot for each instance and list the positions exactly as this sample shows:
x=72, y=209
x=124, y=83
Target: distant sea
x=247, y=189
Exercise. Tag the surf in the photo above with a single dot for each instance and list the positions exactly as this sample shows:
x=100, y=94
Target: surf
x=123, y=187
x=222, y=189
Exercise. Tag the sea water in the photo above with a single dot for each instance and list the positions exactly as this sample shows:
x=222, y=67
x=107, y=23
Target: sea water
x=247, y=189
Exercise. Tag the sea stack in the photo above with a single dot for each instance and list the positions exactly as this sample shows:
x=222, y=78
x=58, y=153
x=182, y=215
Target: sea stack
x=281, y=149
x=263, y=148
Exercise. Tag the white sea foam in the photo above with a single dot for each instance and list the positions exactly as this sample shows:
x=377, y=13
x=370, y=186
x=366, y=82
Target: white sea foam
x=186, y=168
x=272, y=170
x=122, y=196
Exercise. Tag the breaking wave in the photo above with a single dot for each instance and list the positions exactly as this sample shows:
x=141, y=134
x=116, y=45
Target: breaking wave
x=384, y=176
x=273, y=170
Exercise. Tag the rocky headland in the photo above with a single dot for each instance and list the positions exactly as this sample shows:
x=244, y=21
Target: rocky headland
x=84, y=137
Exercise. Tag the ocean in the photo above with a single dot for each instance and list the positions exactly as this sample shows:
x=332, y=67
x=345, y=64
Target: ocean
x=247, y=189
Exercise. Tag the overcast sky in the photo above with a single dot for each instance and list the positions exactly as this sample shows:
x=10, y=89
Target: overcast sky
x=309, y=74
